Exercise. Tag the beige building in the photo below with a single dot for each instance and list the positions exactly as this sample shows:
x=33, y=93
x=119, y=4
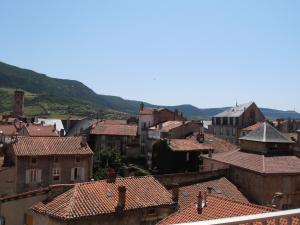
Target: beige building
x=34, y=162
x=228, y=124
x=264, y=168
x=131, y=200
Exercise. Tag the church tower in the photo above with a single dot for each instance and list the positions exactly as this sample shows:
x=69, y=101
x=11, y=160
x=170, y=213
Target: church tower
x=18, y=104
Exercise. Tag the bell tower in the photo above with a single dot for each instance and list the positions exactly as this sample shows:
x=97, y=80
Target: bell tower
x=18, y=104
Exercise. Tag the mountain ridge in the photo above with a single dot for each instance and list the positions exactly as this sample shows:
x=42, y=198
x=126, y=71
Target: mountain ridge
x=54, y=96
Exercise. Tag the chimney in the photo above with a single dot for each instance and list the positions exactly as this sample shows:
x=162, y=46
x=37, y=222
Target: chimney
x=122, y=198
x=141, y=106
x=54, y=127
x=199, y=202
x=83, y=141
x=175, y=193
x=200, y=137
x=62, y=133
x=111, y=175
x=42, y=123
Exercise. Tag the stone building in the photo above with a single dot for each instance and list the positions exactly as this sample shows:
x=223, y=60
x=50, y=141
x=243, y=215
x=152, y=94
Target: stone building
x=287, y=125
x=149, y=117
x=169, y=130
x=130, y=200
x=34, y=162
x=228, y=124
x=117, y=134
x=264, y=168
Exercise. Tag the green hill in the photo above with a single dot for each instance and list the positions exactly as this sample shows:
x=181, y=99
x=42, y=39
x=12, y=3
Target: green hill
x=59, y=97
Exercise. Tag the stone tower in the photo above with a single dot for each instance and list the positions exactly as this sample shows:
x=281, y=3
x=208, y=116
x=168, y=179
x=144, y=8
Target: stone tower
x=18, y=104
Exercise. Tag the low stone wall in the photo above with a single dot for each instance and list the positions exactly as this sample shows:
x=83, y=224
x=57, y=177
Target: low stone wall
x=190, y=177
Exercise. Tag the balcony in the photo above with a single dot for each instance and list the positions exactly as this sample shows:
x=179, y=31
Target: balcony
x=288, y=217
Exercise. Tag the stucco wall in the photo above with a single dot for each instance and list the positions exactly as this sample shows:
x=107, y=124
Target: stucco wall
x=46, y=164
x=13, y=211
x=7, y=181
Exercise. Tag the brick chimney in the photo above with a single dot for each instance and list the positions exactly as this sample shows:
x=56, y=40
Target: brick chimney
x=141, y=106
x=175, y=193
x=199, y=202
x=121, y=198
x=111, y=176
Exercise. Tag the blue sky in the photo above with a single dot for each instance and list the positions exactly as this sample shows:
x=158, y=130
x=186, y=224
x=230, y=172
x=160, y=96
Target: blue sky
x=206, y=53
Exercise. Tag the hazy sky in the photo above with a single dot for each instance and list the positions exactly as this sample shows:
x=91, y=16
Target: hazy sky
x=207, y=53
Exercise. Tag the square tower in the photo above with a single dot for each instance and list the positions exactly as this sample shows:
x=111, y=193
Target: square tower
x=18, y=104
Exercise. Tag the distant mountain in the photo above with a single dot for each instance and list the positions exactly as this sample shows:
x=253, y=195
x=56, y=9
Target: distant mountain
x=58, y=97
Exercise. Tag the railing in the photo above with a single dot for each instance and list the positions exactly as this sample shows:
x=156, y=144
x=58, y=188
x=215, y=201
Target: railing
x=288, y=217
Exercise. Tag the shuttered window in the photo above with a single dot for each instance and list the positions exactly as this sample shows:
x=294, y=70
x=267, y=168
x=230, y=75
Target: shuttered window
x=33, y=176
x=77, y=174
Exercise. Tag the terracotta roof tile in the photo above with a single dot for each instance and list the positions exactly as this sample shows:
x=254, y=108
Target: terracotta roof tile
x=41, y=131
x=187, y=145
x=259, y=163
x=8, y=129
x=217, y=207
x=220, y=187
x=101, y=197
x=168, y=125
x=38, y=146
x=218, y=144
x=117, y=128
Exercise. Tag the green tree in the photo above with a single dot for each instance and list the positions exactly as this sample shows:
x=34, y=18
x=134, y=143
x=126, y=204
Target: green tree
x=106, y=158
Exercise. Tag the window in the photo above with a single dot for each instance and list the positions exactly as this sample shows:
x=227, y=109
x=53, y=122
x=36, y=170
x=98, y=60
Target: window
x=33, y=176
x=77, y=174
x=56, y=174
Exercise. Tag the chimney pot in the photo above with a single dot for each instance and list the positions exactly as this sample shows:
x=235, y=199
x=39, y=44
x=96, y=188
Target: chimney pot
x=199, y=202
x=122, y=198
x=175, y=193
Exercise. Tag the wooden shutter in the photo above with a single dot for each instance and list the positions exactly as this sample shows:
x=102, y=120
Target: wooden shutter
x=72, y=174
x=82, y=174
x=27, y=179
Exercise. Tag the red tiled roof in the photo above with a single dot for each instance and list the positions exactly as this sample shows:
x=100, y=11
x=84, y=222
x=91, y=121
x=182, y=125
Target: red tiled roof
x=169, y=125
x=220, y=187
x=252, y=127
x=41, y=131
x=38, y=146
x=218, y=144
x=260, y=163
x=217, y=207
x=101, y=197
x=8, y=129
x=187, y=145
x=115, y=128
